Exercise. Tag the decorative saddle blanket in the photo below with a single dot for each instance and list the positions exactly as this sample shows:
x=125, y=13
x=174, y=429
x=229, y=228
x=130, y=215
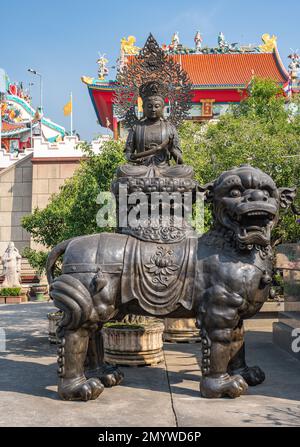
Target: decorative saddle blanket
x=159, y=276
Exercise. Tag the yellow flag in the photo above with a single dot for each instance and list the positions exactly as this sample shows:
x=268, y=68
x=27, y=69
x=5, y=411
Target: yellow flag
x=68, y=108
x=140, y=104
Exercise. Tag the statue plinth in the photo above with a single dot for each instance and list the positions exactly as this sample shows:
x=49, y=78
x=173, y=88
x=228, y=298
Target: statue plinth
x=286, y=331
x=163, y=205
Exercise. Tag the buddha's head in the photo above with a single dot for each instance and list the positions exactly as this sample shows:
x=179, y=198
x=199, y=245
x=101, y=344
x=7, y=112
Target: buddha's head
x=153, y=107
x=153, y=100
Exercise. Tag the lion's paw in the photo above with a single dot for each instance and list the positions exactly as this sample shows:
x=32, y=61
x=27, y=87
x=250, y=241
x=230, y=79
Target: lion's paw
x=253, y=375
x=111, y=376
x=80, y=389
x=108, y=374
x=223, y=386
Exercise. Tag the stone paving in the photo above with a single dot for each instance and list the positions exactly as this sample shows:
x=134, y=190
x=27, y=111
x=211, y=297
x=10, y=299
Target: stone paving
x=160, y=396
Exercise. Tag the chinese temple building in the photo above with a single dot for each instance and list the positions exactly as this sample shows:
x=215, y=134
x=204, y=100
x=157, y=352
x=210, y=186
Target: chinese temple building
x=220, y=75
x=21, y=122
x=36, y=158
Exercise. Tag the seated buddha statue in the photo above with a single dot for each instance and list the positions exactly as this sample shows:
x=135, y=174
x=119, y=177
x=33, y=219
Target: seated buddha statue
x=153, y=141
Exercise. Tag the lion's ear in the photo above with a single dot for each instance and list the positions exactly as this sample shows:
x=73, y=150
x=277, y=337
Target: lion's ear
x=208, y=191
x=287, y=196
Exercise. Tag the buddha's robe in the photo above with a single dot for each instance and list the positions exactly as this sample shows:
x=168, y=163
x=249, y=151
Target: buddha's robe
x=146, y=135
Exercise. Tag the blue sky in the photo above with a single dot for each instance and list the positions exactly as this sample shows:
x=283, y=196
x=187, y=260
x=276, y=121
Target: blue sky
x=61, y=39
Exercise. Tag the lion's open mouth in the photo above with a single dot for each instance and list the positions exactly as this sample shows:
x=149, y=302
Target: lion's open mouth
x=254, y=227
x=255, y=221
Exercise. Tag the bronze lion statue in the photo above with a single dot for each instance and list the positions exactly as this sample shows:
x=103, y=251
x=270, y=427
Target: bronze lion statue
x=220, y=279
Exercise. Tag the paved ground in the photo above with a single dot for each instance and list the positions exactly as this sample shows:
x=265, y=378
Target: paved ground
x=165, y=395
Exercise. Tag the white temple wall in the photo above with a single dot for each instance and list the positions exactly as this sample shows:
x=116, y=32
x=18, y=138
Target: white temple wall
x=15, y=202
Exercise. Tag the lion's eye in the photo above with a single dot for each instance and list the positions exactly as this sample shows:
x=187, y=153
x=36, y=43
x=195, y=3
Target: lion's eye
x=235, y=193
x=266, y=192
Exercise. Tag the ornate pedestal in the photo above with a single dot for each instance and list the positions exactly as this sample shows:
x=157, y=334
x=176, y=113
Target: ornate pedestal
x=286, y=333
x=133, y=345
x=164, y=206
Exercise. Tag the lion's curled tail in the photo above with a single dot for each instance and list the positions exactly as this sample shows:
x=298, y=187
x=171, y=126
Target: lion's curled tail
x=68, y=293
x=53, y=256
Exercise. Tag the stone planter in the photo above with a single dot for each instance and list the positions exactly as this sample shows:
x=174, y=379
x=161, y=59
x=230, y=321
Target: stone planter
x=39, y=292
x=181, y=330
x=54, y=318
x=133, y=345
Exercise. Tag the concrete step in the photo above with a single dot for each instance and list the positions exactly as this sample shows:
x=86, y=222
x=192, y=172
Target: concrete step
x=282, y=337
x=266, y=317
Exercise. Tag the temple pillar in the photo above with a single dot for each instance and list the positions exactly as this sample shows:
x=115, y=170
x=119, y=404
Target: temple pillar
x=115, y=128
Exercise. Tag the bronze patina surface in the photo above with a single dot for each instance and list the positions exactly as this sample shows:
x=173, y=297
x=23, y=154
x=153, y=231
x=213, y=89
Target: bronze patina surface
x=219, y=278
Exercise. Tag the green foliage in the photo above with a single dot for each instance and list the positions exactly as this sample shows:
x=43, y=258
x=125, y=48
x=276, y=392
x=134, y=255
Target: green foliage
x=10, y=291
x=121, y=325
x=278, y=279
x=259, y=132
x=37, y=259
x=72, y=212
x=265, y=101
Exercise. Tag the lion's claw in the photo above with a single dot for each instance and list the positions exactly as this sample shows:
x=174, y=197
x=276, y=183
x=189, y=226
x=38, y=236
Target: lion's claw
x=223, y=386
x=108, y=374
x=111, y=376
x=253, y=375
x=80, y=389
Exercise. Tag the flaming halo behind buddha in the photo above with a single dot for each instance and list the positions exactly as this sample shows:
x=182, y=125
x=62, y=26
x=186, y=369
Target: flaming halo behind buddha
x=152, y=64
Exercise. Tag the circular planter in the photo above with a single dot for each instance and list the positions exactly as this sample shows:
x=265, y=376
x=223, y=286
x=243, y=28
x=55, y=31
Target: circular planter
x=134, y=345
x=54, y=318
x=38, y=292
x=181, y=330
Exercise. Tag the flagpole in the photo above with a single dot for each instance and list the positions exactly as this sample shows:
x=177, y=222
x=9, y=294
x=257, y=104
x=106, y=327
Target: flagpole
x=71, y=114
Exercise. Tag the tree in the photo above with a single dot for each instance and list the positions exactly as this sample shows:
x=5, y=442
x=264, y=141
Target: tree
x=72, y=212
x=259, y=131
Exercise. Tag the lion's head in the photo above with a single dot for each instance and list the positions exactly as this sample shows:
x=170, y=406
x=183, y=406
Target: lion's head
x=246, y=201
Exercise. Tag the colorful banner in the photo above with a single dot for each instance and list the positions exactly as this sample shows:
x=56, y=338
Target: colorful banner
x=68, y=108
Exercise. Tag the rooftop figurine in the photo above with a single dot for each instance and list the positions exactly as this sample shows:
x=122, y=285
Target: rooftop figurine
x=198, y=41
x=128, y=45
x=269, y=43
x=102, y=67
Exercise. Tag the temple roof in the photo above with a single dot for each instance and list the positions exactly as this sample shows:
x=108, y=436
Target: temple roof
x=231, y=69
x=217, y=73
x=12, y=128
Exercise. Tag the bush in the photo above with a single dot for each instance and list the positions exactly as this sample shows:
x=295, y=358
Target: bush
x=10, y=291
x=37, y=259
x=259, y=131
x=72, y=212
